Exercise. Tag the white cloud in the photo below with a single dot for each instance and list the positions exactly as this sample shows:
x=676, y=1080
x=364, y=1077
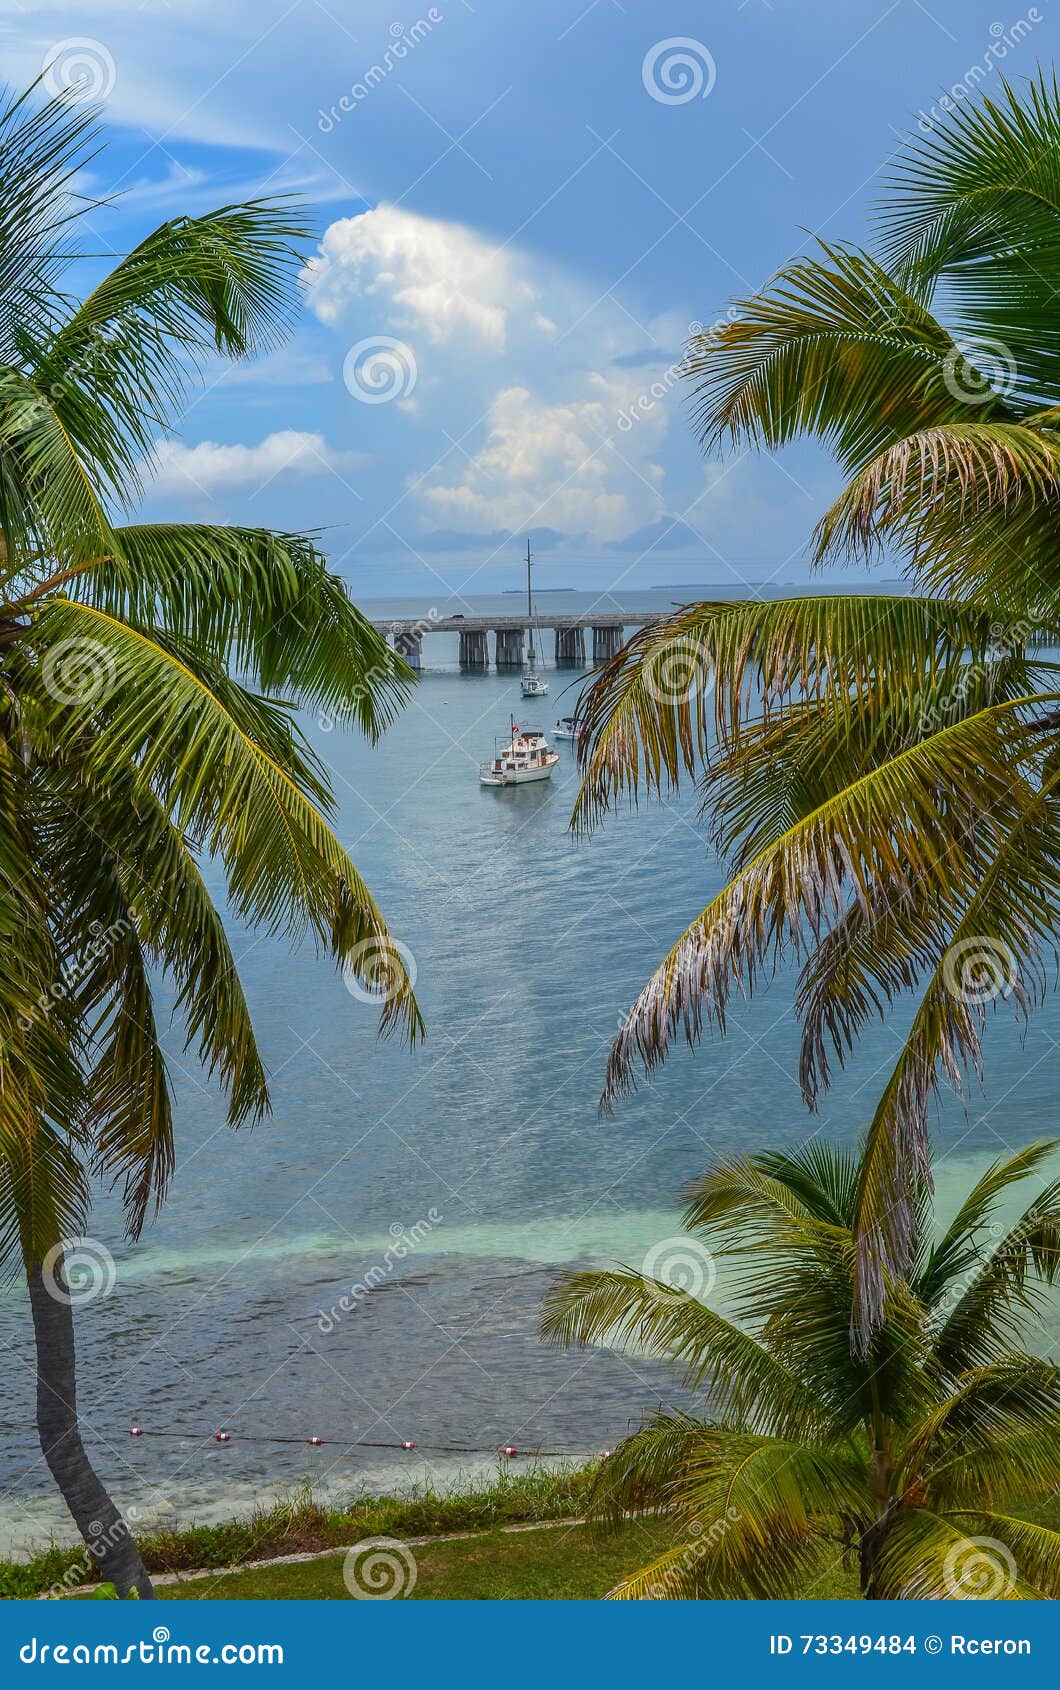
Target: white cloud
x=567, y=437
x=562, y=464
x=210, y=467
x=439, y=279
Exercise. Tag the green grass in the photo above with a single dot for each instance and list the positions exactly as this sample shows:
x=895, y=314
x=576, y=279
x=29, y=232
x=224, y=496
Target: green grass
x=557, y=1563
x=563, y=1562
x=300, y=1523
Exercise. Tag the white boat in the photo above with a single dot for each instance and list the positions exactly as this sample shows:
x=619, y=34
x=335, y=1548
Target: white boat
x=567, y=728
x=533, y=684
x=527, y=757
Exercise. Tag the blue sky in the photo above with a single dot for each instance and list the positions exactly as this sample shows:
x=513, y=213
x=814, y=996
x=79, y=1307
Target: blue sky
x=515, y=234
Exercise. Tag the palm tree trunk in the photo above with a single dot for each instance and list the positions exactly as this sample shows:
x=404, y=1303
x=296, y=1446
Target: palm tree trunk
x=867, y=1564
x=111, y=1545
x=869, y=1550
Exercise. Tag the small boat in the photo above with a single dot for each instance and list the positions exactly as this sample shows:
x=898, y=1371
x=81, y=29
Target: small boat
x=566, y=728
x=533, y=684
x=528, y=756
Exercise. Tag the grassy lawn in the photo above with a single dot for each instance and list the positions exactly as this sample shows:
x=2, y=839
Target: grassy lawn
x=559, y=1563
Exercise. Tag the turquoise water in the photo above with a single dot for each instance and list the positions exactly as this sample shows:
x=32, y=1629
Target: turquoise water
x=528, y=949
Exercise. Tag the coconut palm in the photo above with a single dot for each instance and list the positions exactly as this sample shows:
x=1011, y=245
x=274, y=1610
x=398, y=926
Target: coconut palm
x=148, y=675
x=880, y=770
x=902, y=1460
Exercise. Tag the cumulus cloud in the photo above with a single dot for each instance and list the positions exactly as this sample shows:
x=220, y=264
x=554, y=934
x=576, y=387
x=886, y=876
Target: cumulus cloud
x=568, y=439
x=210, y=466
x=439, y=279
x=558, y=463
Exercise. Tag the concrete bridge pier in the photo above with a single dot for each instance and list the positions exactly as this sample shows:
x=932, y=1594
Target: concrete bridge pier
x=509, y=648
x=607, y=641
x=474, y=649
x=408, y=643
x=570, y=646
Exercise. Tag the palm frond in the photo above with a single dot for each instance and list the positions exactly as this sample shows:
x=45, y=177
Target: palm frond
x=824, y=328
x=747, y=1510
x=263, y=602
x=626, y=1308
x=923, y=821
x=974, y=205
x=926, y=1557
x=990, y=1472
x=118, y=368
x=687, y=683
x=987, y=1309
x=918, y=495
x=760, y=1195
x=42, y=147
x=1035, y=1549
x=958, y=1245
x=192, y=740
x=1011, y=909
x=49, y=504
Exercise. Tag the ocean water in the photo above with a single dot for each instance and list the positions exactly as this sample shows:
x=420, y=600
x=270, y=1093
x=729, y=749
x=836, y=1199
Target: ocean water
x=481, y=1154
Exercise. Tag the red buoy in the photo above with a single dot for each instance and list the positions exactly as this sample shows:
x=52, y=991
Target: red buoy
x=136, y=1431
x=509, y=1449
x=316, y=1440
x=408, y=1444
x=223, y=1437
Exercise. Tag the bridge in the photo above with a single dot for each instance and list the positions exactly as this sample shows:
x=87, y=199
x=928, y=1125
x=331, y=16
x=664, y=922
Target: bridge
x=607, y=630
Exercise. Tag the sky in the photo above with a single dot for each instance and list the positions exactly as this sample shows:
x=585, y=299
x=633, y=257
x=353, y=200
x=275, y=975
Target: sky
x=521, y=211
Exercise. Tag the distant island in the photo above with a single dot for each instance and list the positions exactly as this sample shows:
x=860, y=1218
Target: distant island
x=706, y=588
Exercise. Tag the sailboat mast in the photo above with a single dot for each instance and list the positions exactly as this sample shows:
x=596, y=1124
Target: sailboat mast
x=529, y=605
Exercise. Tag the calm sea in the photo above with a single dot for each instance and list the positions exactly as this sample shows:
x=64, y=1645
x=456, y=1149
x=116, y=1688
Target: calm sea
x=482, y=1150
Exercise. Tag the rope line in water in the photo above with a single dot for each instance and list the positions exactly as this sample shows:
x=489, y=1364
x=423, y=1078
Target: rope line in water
x=224, y=1437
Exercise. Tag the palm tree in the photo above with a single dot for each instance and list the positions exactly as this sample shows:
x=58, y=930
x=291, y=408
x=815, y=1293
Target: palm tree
x=147, y=674
x=881, y=771
x=902, y=1458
